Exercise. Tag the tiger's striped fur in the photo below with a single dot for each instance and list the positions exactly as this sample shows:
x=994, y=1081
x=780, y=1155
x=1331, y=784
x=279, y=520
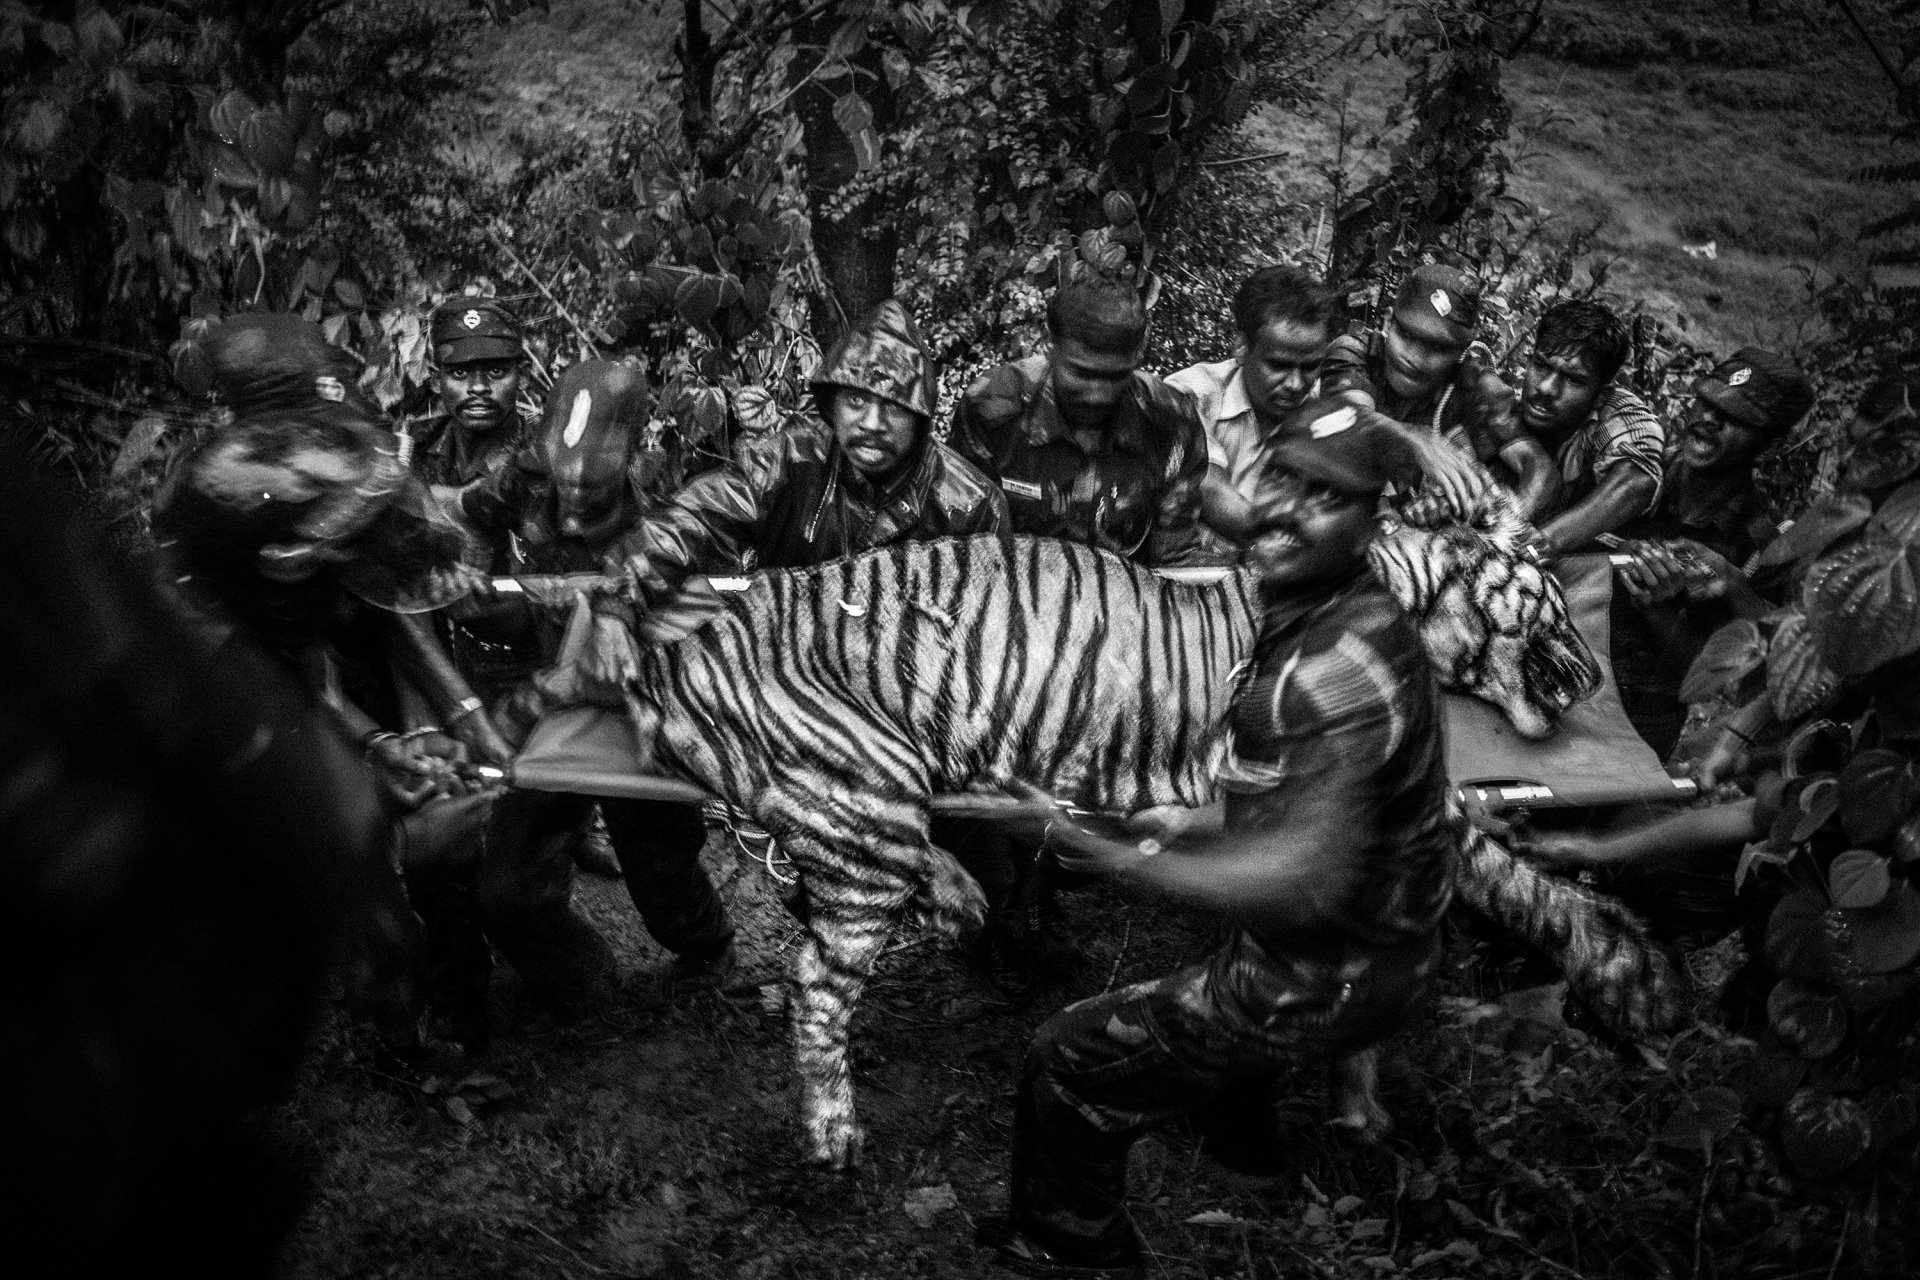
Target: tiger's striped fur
x=1494, y=623
x=831, y=703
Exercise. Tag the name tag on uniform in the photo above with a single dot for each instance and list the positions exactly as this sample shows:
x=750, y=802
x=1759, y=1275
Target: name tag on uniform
x=1021, y=489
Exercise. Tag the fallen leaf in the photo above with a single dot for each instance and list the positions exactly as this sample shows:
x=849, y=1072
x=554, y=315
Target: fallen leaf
x=924, y=1204
x=1216, y=1218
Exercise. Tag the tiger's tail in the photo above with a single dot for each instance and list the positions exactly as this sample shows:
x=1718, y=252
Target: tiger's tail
x=1608, y=957
x=948, y=901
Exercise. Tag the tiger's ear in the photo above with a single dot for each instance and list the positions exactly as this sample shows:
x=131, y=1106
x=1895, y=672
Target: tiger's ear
x=685, y=612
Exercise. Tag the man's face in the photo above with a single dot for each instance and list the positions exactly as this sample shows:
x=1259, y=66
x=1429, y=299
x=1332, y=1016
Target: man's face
x=1088, y=383
x=1561, y=391
x=1418, y=359
x=479, y=393
x=1714, y=443
x=1305, y=532
x=876, y=435
x=1282, y=367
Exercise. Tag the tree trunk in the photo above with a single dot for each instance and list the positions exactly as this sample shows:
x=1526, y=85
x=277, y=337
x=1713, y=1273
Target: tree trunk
x=856, y=253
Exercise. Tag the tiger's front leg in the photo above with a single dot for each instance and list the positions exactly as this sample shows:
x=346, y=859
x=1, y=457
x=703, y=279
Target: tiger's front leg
x=844, y=941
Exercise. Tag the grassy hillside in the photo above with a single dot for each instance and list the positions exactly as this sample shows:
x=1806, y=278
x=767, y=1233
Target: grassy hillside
x=1652, y=125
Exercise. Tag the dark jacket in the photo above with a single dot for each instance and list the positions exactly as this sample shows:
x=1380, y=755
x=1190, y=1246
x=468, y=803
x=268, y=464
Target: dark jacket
x=792, y=499
x=1475, y=408
x=444, y=453
x=1136, y=492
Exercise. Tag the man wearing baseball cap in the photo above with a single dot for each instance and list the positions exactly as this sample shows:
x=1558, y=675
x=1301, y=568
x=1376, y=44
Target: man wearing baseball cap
x=475, y=427
x=1332, y=862
x=1710, y=520
x=1424, y=369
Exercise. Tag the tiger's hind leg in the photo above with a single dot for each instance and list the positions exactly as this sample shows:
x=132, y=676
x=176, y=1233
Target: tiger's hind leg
x=860, y=871
x=948, y=902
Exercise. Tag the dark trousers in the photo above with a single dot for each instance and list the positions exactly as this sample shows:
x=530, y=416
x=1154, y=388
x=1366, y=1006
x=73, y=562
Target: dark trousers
x=1102, y=1072
x=523, y=897
x=1019, y=882
x=658, y=843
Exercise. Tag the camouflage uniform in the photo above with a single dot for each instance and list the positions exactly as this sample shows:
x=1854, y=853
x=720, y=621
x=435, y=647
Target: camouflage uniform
x=793, y=499
x=1135, y=490
x=1338, y=708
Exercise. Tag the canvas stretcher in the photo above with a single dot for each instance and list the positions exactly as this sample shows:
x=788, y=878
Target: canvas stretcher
x=1595, y=758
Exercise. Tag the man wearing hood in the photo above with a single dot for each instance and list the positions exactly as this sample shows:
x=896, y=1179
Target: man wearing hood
x=868, y=474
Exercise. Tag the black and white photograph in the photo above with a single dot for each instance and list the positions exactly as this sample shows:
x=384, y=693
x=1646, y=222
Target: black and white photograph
x=864, y=640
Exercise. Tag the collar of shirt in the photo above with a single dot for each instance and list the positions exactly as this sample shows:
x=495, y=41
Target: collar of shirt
x=1041, y=422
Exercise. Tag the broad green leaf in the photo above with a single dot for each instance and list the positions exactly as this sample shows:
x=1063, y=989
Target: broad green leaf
x=1877, y=791
x=1864, y=606
x=1825, y=523
x=1896, y=522
x=1906, y=842
x=1701, y=1119
x=230, y=114
x=894, y=63
x=142, y=441
x=1818, y=801
x=1859, y=878
x=1809, y=1018
x=1796, y=942
x=1756, y=855
x=1730, y=653
x=1797, y=680
x=1824, y=1136
x=852, y=114
x=1883, y=938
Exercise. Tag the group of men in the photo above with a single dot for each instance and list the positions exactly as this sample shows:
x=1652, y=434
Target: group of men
x=1330, y=852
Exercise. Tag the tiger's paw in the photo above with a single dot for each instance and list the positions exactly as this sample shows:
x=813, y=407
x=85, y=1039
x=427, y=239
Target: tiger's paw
x=835, y=1144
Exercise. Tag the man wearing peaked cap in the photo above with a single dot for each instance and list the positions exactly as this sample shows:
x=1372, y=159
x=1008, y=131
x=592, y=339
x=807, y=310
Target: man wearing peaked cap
x=475, y=425
x=1330, y=861
x=1423, y=369
x=867, y=472
x=1691, y=550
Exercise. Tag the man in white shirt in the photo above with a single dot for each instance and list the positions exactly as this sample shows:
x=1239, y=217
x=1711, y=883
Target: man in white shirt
x=1287, y=319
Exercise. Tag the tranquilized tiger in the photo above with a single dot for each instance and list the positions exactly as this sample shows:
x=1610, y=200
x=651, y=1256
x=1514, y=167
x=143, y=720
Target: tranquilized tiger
x=1495, y=624
x=831, y=703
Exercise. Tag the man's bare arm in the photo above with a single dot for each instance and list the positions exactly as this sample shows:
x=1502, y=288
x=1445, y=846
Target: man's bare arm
x=1624, y=492
x=1538, y=480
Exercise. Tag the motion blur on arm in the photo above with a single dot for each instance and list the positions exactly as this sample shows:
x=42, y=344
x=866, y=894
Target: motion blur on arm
x=183, y=840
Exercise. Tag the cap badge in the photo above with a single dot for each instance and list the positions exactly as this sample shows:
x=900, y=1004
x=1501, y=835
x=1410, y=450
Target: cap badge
x=1441, y=302
x=330, y=388
x=471, y=319
x=1334, y=423
x=1739, y=378
x=577, y=420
